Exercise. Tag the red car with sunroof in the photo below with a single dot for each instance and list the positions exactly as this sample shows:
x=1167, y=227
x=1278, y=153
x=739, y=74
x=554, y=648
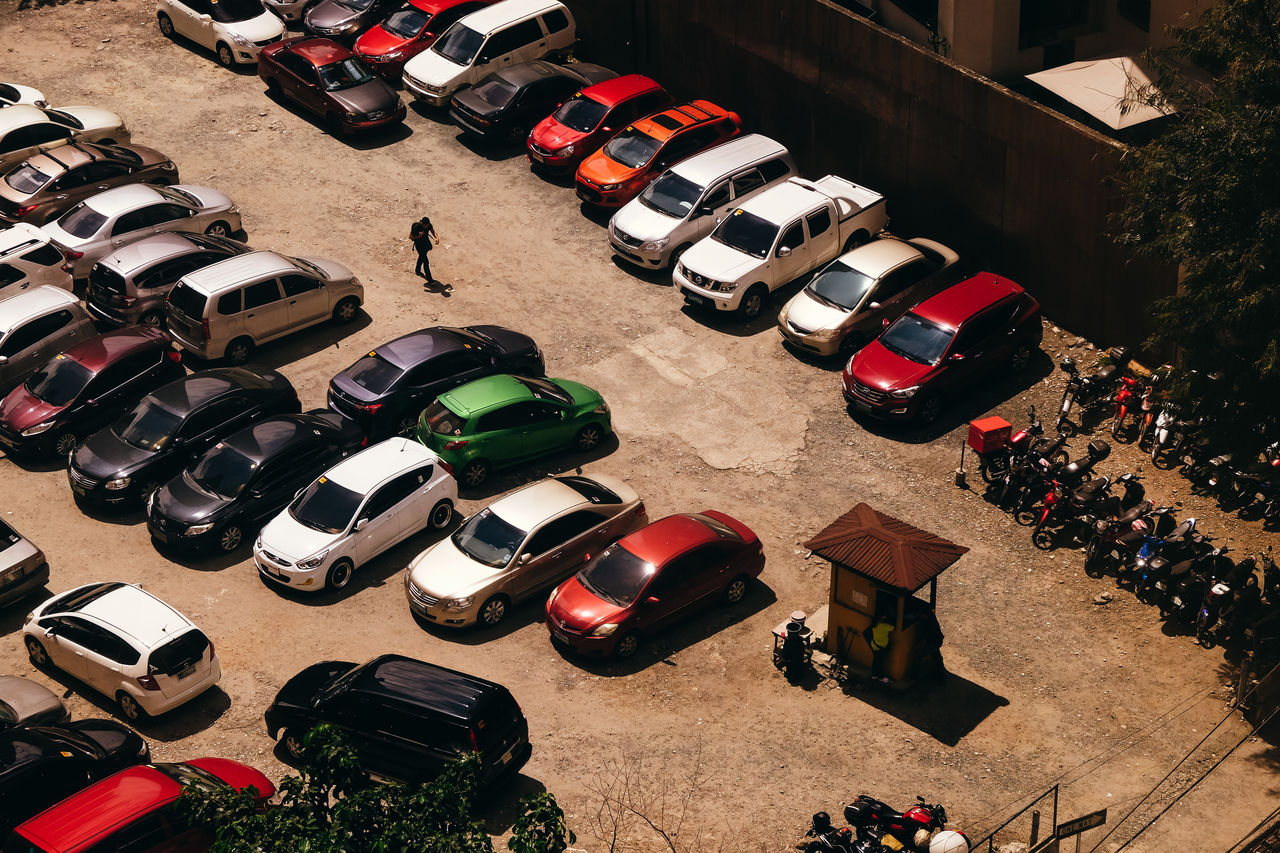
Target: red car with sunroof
x=409, y=31
x=585, y=122
x=645, y=581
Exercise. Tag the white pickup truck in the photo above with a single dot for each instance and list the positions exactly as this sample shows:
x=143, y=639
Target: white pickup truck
x=776, y=237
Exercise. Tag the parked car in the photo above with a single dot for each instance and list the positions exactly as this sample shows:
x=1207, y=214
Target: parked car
x=27, y=130
x=104, y=222
x=326, y=79
x=47, y=185
x=235, y=30
x=136, y=810
x=34, y=325
x=506, y=104
x=941, y=347
x=132, y=284
x=42, y=765
x=687, y=201
x=77, y=392
x=23, y=569
x=24, y=702
x=405, y=717
x=127, y=461
x=289, y=11
x=639, y=585
x=27, y=260
x=353, y=512
x=245, y=479
x=227, y=309
x=386, y=390
x=505, y=420
x=505, y=33
x=620, y=170
x=343, y=20
x=15, y=93
x=856, y=296
x=585, y=122
x=409, y=31
x=125, y=643
x=519, y=546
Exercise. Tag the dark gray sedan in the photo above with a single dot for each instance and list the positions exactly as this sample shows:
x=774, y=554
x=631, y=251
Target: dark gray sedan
x=23, y=702
x=23, y=567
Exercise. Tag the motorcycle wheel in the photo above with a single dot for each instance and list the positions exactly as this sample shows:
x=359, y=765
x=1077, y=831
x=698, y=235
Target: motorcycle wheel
x=1025, y=513
x=1042, y=538
x=1205, y=639
x=1093, y=563
x=1116, y=425
x=990, y=474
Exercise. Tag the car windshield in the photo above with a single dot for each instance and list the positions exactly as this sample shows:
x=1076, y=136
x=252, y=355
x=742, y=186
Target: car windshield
x=443, y=421
x=495, y=91
x=148, y=427
x=488, y=539
x=746, y=232
x=230, y=11
x=840, y=286
x=459, y=44
x=916, y=339
x=188, y=775
x=672, y=195
x=406, y=23
x=222, y=472
x=27, y=178
x=545, y=390
x=82, y=221
x=581, y=113
x=180, y=196
x=632, y=148
x=616, y=575
x=305, y=264
x=356, y=5
x=60, y=381
x=374, y=373
x=65, y=738
x=346, y=74
x=325, y=506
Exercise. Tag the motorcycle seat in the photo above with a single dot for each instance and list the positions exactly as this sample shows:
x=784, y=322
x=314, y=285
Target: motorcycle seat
x=1132, y=539
x=1180, y=570
x=1134, y=513
x=1181, y=531
x=1092, y=489
x=1106, y=373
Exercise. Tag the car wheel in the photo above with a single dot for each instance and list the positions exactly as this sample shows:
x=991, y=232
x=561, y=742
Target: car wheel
x=339, y=574
x=35, y=651
x=587, y=438
x=677, y=253
x=166, y=25
x=218, y=229
x=856, y=239
x=737, y=588
x=333, y=125
x=273, y=89
x=851, y=343
x=293, y=743
x=1021, y=358
x=129, y=707
x=154, y=319
x=225, y=57
x=930, y=409
x=627, y=646
x=517, y=135
x=406, y=426
x=345, y=311
x=65, y=443
x=753, y=302
x=474, y=473
x=441, y=515
x=493, y=611
x=230, y=539
x=239, y=351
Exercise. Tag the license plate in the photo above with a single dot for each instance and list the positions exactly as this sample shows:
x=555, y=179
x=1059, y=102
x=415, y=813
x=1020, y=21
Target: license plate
x=185, y=671
x=582, y=195
x=694, y=299
x=534, y=155
x=159, y=537
x=6, y=441
x=865, y=407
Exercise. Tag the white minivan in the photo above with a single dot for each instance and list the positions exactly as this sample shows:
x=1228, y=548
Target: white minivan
x=506, y=33
x=687, y=201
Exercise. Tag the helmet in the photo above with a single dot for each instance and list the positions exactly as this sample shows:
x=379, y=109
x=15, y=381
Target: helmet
x=821, y=821
x=1068, y=364
x=921, y=839
x=949, y=841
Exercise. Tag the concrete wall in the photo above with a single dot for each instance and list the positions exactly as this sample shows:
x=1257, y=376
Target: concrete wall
x=1010, y=185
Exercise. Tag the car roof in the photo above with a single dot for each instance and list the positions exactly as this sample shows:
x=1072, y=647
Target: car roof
x=530, y=72
x=150, y=250
x=481, y=395
x=668, y=537
x=668, y=122
x=38, y=748
x=483, y=20
x=60, y=158
x=424, y=685
x=784, y=201
x=109, y=347
x=535, y=503
x=20, y=115
x=21, y=235
x=612, y=92
x=125, y=198
x=134, y=612
x=236, y=270
x=366, y=470
x=709, y=165
x=961, y=301
x=196, y=389
x=33, y=303
x=415, y=347
x=319, y=51
x=97, y=810
x=271, y=435
x=876, y=258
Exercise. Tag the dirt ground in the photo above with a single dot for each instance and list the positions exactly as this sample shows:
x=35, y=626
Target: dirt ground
x=1045, y=684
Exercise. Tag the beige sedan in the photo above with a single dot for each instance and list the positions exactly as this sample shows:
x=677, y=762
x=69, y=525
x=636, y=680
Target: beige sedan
x=520, y=545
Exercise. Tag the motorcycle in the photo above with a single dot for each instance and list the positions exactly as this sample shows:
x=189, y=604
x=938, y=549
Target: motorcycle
x=1152, y=399
x=1150, y=549
x=995, y=465
x=1062, y=506
x=827, y=837
x=1124, y=399
x=1088, y=393
x=1253, y=482
x=869, y=813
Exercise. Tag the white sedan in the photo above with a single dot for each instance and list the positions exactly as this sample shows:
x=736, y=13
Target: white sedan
x=235, y=30
x=15, y=93
x=353, y=512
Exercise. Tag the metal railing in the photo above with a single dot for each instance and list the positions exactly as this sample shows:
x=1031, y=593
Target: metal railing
x=1032, y=836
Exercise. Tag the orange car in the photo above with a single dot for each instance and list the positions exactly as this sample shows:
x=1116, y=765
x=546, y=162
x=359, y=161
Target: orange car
x=618, y=172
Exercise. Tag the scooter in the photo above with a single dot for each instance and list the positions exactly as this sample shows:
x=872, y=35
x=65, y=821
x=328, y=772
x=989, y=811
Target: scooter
x=1088, y=393
x=1124, y=399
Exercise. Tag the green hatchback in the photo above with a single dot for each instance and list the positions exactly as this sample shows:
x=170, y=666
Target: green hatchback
x=505, y=420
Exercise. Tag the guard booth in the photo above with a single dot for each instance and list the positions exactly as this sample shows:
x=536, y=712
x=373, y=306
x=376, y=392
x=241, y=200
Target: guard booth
x=878, y=564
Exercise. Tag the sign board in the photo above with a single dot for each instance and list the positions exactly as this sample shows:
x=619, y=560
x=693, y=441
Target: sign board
x=1080, y=824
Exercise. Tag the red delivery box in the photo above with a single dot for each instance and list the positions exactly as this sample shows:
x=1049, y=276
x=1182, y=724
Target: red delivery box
x=989, y=434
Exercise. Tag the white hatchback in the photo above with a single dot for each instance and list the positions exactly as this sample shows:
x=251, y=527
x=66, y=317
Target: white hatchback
x=235, y=30
x=353, y=512
x=126, y=644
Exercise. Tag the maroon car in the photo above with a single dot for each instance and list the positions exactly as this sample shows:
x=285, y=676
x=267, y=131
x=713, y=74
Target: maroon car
x=647, y=580
x=944, y=345
x=79, y=391
x=327, y=79
x=585, y=122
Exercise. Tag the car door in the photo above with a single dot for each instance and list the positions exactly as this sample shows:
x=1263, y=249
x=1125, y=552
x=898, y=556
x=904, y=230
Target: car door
x=280, y=478
x=545, y=428
x=398, y=743
x=889, y=298
x=63, y=642
x=977, y=346
x=823, y=240
x=383, y=526
x=266, y=313
x=135, y=224
x=201, y=28
x=203, y=427
x=307, y=298
x=299, y=81
x=791, y=255
x=666, y=596
x=116, y=387
x=499, y=434
x=104, y=658
x=713, y=207
x=30, y=345
x=427, y=381
x=554, y=551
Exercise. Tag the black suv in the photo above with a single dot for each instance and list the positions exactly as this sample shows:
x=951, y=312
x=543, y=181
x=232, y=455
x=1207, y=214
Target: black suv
x=406, y=718
x=504, y=106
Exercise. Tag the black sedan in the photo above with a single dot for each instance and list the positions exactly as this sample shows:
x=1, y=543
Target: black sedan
x=247, y=478
x=387, y=389
x=505, y=105
x=40, y=766
x=170, y=429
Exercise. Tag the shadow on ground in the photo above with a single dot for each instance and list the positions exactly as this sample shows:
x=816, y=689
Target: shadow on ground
x=946, y=709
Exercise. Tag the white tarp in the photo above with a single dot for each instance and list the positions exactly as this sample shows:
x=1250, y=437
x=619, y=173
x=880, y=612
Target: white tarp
x=1114, y=91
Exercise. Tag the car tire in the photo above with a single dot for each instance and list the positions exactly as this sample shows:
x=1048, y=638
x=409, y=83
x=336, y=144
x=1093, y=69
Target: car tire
x=239, y=351
x=345, y=311
x=129, y=708
x=676, y=253
x=441, y=515
x=517, y=135
x=293, y=742
x=339, y=574
x=273, y=89
x=588, y=438
x=474, y=473
x=1020, y=358
x=929, y=410
x=628, y=645
x=37, y=654
x=753, y=302
x=857, y=238
x=407, y=425
x=493, y=611
x=154, y=319
x=851, y=343
x=736, y=590
x=65, y=443
x=165, y=24
x=231, y=539
x=218, y=229
x=226, y=58
x=333, y=125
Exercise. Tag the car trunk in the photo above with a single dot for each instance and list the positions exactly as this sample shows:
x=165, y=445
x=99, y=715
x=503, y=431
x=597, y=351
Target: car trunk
x=180, y=663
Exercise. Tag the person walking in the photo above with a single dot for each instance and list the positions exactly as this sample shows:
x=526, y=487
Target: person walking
x=424, y=236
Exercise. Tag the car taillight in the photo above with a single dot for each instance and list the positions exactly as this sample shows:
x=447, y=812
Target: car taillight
x=455, y=445
x=148, y=682
x=208, y=336
x=364, y=442
x=447, y=467
x=475, y=745
x=174, y=356
x=211, y=650
x=72, y=255
x=370, y=408
x=640, y=509
x=23, y=211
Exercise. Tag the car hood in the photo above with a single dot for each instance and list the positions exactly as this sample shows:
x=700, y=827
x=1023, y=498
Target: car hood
x=94, y=118
x=29, y=699
x=180, y=500
x=367, y=97
x=877, y=367
x=442, y=571
x=642, y=222
x=476, y=105
x=573, y=606
x=582, y=395
x=21, y=410
x=333, y=269
x=551, y=135
x=261, y=28
x=114, y=739
x=326, y=14
x=302, y=688
x=601, y=169
x=287, y=538
x=209, y=198
x=378, y=41
x=808, y=313
x=103, y=455
x=718, y=261
x=431, y=67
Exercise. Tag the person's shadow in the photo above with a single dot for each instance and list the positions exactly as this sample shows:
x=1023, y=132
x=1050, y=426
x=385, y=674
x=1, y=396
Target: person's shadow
x=441, y=287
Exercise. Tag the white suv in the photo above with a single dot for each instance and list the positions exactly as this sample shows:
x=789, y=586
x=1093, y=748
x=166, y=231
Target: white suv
x=355, y=511
x=125, y=643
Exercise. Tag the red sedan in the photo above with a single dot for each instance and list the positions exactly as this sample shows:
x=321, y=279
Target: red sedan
x=585, y=122
x=409, y=31
x=644, y=581
x=326, y=79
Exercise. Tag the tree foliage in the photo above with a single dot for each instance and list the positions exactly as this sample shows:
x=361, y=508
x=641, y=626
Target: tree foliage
x=334, y=807
x=1206, y=194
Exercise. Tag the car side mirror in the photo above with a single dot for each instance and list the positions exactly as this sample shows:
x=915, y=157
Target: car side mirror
x=362, y=524
x=606, y=130
x=51, y=631
x=205, y=19
x=4, y=359
x=784, y=252
x=957, y=356
x=524, y=558
x=652, y=600
x=873, y=306
x=706, y=210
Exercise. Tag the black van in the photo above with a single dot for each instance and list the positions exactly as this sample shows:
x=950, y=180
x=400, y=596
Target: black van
x=406, y=718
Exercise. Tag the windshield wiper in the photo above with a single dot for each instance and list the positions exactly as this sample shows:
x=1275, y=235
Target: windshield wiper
x=825, y=301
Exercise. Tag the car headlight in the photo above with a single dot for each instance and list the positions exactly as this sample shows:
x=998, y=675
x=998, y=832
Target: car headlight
x=610, y=186
x=390, y=55
x=602, y=409
x=257, y=543
x=198, y=529
x=655, y=245
x=151, y=501
x=434, y=89
x=905, y=393
x=118, y=483
x=313, y=561
x=459, y=603
x=568, y=150
x=38, y=428
x=235, y=208
x=605, y=630
x=240, y=40
x=824, y=334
